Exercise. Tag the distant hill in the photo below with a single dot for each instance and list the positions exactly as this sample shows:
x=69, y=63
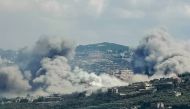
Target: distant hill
x=8, y=54
x=105, y=46
x=103, y=57
x=99, y=58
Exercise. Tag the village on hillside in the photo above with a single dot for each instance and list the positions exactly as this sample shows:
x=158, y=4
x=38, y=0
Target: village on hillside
x=164, y=93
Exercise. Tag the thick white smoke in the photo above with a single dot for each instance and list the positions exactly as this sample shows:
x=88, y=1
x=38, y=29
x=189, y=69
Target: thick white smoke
x=60, y=79
x=54, y=74
x=159, y=53
x=44, y=70
x=131, y=77
x=12, y=81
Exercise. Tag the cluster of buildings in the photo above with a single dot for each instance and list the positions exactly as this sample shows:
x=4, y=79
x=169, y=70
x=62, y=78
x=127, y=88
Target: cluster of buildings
x=171, y=86
x=149, y=87
x=55, y=98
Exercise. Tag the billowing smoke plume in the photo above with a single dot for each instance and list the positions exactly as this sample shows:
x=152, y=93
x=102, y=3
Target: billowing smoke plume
x=159, y=53
x=44, y=47
x=12, y=81
x=60, y=79
x=45, y=70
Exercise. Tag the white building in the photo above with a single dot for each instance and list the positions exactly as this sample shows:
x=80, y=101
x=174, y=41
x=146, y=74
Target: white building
x=160, y=105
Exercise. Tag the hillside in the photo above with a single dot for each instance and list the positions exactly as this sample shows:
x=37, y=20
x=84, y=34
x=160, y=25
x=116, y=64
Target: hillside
x=103, y=57
x=104, y=47
x=99, y=58
x=164, y=93
x=8, y=54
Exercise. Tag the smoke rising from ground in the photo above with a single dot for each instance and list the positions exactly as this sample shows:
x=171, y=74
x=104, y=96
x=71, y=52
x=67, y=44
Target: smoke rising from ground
x=44, y=69
x=60, y=79
x=12, y=81
x=30, y=59
x=159, y=53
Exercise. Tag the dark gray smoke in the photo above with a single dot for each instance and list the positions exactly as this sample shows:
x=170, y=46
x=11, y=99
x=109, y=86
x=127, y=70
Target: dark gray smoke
x=54, y=75
x=45, y=70
x=44, y=47
x=160, y=53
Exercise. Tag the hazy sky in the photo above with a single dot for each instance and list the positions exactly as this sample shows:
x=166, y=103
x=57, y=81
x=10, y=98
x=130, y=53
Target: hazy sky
x=22, y=22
